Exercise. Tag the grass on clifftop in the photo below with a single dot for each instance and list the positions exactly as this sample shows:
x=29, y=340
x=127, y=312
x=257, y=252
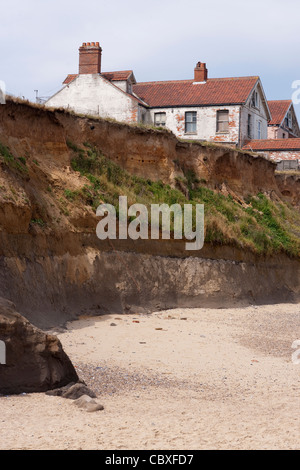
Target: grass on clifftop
x=260, y=225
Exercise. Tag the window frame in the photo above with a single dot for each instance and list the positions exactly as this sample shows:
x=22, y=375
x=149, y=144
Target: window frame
x=290, y=120
x=255, y=99
x=218, y=121
x=249, y=125
x=160, y=123
x=192, y=122
x=259, y=123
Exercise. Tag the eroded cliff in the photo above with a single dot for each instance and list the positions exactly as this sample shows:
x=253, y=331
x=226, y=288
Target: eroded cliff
x=53, y=266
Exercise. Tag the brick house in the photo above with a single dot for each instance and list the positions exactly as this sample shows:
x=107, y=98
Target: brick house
x=285, y=152
x=96, y=93
x=284, y=123
x=283, y=143
x=226, y=110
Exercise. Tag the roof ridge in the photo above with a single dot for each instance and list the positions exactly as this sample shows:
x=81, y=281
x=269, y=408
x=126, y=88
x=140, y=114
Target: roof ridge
x=253, y=77
x=280, y=101
x=115, y=71
x=290, y=139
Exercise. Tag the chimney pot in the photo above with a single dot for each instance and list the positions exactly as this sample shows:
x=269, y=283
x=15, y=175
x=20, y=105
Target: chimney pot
x=200, y=72
x=90, y=58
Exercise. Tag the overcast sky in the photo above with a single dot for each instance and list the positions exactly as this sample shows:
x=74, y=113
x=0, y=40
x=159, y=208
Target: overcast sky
x=158, y=40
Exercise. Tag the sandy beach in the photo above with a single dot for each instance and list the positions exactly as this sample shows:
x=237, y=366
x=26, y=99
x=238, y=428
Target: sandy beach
x=175, y=379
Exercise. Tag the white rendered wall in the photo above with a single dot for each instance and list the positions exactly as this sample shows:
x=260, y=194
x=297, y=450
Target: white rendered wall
x=91, y=94
x=206, y=123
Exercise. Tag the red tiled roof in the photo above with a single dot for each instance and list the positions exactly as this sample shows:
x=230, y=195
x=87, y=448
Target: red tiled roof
x=117, y=76
x=273, y=144
x=278, y=109
x=216, y=91
x=111, y=76
x=69, y=78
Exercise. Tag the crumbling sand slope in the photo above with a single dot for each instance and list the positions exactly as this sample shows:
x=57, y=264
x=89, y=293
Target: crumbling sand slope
x=53, y=266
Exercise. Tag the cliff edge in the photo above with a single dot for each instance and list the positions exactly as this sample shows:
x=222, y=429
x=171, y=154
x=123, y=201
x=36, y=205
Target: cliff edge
x=56, y=167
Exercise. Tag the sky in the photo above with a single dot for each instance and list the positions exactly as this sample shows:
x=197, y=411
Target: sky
x=158, y=40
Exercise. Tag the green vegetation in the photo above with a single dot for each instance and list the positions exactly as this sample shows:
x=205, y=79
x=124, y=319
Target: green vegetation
x=39, y=222
x=260, y=225
x=12, y=162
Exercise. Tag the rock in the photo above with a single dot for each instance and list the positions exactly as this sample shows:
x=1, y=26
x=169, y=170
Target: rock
x=58, y=392
x=87, y=403
x=35, y=361
x=77, y=390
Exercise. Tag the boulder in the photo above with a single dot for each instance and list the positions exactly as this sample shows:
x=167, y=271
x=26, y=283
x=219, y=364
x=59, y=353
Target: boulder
x=88, y=404
x=35, y=361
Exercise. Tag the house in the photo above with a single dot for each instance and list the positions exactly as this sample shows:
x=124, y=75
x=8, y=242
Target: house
x=285, y=152
x=283, y=143
x=284, y=123
x=225, y=110
x=103, y=94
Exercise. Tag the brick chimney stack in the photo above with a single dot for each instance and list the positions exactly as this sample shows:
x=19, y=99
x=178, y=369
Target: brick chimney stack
x=90, y=58
x=200, y=72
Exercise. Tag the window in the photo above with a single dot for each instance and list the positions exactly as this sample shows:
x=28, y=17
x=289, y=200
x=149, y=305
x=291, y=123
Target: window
x=259, y=129
x=222, y=120
x=288, y=120
x=160, y=119
x=191, y=122
x=255, y=100
x=249, y=126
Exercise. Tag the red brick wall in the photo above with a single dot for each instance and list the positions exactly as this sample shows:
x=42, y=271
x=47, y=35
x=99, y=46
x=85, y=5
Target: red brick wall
x=90, y=58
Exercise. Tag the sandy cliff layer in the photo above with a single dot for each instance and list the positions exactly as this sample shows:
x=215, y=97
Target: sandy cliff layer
x=51, y=288
x=52, y=265
x=150, y=153
x=289, y=187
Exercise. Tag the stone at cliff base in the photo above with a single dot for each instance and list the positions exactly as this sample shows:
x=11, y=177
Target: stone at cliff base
x=72, y=391
x=35, y=361
x=87, y=403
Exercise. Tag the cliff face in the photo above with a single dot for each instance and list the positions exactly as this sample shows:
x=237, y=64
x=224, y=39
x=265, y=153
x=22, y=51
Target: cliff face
x=289, y=187
x=52, y=265
x=153, y=154
x=54, y=278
